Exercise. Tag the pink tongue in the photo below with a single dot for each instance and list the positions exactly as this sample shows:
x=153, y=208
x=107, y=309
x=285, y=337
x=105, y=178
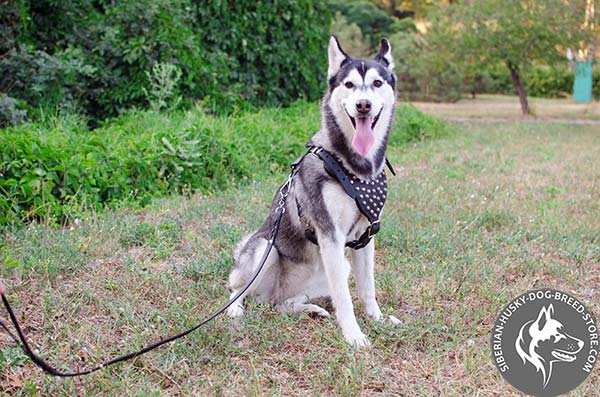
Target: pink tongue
x=364, y=137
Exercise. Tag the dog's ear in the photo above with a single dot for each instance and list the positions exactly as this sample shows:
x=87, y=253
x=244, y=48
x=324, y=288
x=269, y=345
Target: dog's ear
x=336, y=56
x=384, y=55
x=544, y=316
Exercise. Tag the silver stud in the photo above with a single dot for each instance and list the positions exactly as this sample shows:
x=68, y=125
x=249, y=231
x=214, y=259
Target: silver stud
x=367, y=206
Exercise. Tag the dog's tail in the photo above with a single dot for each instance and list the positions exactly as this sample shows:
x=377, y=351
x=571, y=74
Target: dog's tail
x=240, y=246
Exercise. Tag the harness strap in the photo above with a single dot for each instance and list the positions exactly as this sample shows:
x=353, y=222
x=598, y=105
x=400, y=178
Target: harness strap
x=350, y=183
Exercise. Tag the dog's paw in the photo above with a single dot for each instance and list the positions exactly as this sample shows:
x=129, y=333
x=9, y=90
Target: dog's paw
x=374, y=313
x=235, y=310
x=316, y=311
x=394, y=320
x=357, y=340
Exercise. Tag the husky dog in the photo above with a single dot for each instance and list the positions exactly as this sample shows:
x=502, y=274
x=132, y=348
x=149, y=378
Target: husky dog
x=321, y=218
x=543, y=342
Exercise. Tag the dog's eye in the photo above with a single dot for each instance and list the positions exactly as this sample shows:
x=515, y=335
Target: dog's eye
x=378, y=83
x=558, y=337
x=349, y=85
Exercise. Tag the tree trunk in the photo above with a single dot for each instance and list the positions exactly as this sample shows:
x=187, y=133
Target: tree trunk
x=516, y=79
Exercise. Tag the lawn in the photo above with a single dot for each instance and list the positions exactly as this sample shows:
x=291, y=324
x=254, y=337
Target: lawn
x=472, y=220
x=508, y=107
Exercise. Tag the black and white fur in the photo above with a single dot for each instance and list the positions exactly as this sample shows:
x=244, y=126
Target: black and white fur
x=297, y=270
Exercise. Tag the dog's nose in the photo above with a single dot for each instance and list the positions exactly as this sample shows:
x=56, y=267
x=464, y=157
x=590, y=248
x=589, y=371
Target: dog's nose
x=363, y=106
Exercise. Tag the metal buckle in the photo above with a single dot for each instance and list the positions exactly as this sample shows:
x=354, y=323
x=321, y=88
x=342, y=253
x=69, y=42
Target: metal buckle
x=370, y=229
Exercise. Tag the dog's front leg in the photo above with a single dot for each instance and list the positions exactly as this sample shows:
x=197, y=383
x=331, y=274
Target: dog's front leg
x=337, y=270
x=363, y=263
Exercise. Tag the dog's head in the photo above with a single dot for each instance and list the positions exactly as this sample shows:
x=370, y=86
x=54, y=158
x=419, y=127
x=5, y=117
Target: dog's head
x=361, y=93
x=543, y=342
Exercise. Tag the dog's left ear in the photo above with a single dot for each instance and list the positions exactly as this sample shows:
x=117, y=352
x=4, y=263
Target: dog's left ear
x=384, y=56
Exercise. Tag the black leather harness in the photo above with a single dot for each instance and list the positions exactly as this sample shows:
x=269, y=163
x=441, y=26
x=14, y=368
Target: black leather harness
x=369, y=195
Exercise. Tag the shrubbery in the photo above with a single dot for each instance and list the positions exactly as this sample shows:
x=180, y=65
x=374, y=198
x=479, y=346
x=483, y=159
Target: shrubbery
x=423, y=66
x=540, y=81
x=93, y=57
x=58, y=169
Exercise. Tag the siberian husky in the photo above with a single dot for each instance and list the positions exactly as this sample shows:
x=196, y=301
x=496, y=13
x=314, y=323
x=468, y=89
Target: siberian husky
x=323, y=215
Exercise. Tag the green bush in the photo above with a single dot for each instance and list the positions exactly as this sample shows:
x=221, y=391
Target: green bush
x=277, y=50
x=350, y=36
x=547, y=82
x=596, y=83
x=424, y=68
x=412, y=125
x=540, y=81
x=10, y=112
x=57, y=170
x=9, y=25
x=49, y=167
x=46, y=82
x=93, y=57
x=373, y=22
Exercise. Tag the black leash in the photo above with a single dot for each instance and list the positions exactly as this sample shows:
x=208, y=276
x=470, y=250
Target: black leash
x=283, y=191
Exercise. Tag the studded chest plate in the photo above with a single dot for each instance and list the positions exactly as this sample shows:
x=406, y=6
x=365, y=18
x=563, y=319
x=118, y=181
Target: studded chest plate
x=370, y=195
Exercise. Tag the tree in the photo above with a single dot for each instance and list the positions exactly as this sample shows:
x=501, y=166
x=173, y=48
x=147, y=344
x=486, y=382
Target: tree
x=373, y=22
x=517, y=33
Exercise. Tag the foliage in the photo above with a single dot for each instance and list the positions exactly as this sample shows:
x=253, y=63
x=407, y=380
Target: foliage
x=45, y=81
x=423, y=67
x=515, y=33
x=93, y=57
x=9, y=25
x=540, y=81
x=418, y=9
x=53, y=170
x=163, y=80
x=276, y=49
x=412, y=125
x=49, y=25
x=471, y=45
x=549, y=82
x=10, y=112
x=131, y=38
x=350, y=36
x=373, y=22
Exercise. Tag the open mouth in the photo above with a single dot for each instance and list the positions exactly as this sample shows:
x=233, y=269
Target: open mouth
x=364, y=137
x=373, y=123
x=561, y=355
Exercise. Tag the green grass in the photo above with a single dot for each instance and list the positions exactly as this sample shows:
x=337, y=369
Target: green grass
x=471, y=221
x=56, y=170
